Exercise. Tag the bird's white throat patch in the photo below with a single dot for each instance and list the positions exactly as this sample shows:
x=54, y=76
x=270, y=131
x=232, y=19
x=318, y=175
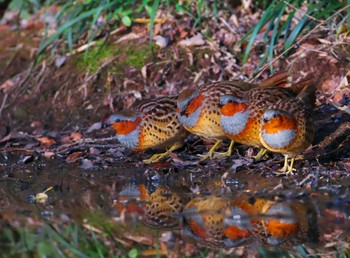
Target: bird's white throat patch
x=235, y=124
x=130, y=140
x=280, y=139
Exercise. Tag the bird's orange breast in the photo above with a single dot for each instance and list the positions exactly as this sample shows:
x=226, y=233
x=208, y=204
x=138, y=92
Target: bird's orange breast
x=279, y=123
x=126, y=127
x=194, y=104
x=232, y=108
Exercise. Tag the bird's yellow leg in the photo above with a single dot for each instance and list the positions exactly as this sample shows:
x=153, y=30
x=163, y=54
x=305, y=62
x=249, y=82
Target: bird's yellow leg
x=260, y=154
x=210, y=152
x=290, y=167
x=159, y=156
x=228, y=153
x=287, y=169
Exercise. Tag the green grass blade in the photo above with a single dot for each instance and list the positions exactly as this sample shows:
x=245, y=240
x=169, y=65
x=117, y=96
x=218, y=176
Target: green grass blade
x=274, y=36
x=70, y=39
x=287, y=25
x=93, y=33
x=69, y=24
x=264, y=19
x=60, y=239
x=291, y=38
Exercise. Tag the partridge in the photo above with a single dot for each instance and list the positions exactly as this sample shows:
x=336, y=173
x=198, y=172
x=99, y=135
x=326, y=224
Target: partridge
x=292, y=222
x=152, y=124
x=198, y=111
x=240, y=116
x=218, y=221
x=287, y=126
x=162, y=209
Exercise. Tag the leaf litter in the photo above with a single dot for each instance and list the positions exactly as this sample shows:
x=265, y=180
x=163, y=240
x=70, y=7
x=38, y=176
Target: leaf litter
x=57, y=112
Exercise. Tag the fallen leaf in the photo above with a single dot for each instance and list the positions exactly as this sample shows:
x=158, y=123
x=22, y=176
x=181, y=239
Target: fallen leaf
x=49, y=154
x=73, y=157
x=13, y=135
x=94, y=127
x=45, y=141
x=8, y=85
x=194, y=41
x=146, y=240
x=162, y=42
x=60, y=60
x=75, y=136
x=128, y=37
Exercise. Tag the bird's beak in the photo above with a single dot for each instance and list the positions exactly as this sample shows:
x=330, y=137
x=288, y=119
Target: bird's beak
x=106, y=124
x=183, y=112
x=220, y=105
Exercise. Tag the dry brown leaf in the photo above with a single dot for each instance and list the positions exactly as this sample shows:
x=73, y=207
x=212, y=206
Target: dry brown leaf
x=146, y=240
x=45, y=141
x=49, y=154
x=75, y=136
x=128, y=37
x=8, y=85
x=72, y=158
x=193, y=41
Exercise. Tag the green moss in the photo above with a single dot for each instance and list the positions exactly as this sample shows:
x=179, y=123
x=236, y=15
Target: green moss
x=135, y=56
x=94, y=58
x=131, y=55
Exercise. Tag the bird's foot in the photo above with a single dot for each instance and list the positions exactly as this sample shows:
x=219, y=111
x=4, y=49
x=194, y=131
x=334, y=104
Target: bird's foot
x=155, y=158
x=260, y=155
x=159, y=156
x=287, y=170
x=225, y=154
x=206, y=156
x=210, y=152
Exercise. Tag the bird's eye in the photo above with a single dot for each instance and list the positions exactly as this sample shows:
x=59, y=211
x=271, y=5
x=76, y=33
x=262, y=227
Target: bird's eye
x=117, y=120
x=230, y=101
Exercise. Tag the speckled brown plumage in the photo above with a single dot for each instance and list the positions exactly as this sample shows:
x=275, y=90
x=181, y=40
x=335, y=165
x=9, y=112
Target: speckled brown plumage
x=254, y=103
x=149, y=125
x=208, y=121
x=162, y=209
x=218, y=221
x=287, y=126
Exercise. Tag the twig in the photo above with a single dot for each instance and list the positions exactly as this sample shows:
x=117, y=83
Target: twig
x=85, y=141
x=11, y=59
x=299, y=10
x=309, y=176
x=3, y=104
x=279, y=186
x=228, y=26
x=87, y=45
x=299, y=41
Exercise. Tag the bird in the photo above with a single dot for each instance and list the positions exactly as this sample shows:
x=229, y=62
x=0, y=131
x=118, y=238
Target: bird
x=218, y=221
x=292, y=222
x=287, y=127
x=198, y=111
x=240, y=116
x=151, y=124
x=162, y=208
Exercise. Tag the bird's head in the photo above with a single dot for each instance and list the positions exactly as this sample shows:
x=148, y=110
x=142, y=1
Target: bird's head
x=188, y=102
x=274, y=121
x=122, y=124
x=230, y=105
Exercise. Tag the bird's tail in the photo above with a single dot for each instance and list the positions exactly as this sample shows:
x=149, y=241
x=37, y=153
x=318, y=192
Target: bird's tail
x=308, y=93
x=279, y=79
